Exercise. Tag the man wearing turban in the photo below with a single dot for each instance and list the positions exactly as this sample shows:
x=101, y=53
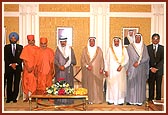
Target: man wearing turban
x=28, y=55
x=45, y=66
x=13, y=66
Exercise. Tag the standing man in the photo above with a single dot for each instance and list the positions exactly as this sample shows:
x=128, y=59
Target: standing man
x=64, y=61
x=13, y=66
x=92, y=63
x=45, y=66
x=28, y=55
x=138, y=71
x=156, y=54
x=129, y=38
x=115, y=71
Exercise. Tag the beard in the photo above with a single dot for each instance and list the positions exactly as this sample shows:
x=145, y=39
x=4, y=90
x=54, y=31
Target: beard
x=13, y=42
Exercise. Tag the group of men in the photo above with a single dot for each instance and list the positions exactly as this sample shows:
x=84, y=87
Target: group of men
x=126, y=69
x=39, y=66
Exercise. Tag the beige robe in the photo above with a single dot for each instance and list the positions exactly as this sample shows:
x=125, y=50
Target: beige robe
x=93, y=80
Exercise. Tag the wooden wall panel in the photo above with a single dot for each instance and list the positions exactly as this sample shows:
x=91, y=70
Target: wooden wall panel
x=64, y=8
x=130, y=8
x=12, y=25
x=144, y=24
x=11, y=7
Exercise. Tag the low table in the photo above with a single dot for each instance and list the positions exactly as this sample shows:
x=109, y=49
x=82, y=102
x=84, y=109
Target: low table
x=49, y=96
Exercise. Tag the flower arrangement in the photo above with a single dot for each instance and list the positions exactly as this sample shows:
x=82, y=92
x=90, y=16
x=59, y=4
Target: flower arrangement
x=60, y=88
x=80, y=91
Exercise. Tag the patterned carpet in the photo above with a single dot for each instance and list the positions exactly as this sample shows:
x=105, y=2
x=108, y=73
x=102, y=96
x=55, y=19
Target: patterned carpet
x=24, y=107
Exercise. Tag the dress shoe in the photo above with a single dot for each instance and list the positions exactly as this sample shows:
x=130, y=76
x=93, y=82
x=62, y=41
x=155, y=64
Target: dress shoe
x=7, y=101
x=128, y=103
x=90, y=103
x=150, y=99
x=14, y=101
x=121, y=104
x=26, y=100
x=139, y=104
x=109, y=103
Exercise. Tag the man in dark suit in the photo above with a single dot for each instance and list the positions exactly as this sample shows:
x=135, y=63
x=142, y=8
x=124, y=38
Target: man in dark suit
x=13, y=67
x=156, y=54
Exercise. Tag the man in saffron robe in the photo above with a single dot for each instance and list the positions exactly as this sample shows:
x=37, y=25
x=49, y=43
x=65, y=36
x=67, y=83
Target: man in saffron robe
x=115, y=70
x=64, y=61
x=138, y=71
x=45, y=66
x=28, y=79
x=92, y=63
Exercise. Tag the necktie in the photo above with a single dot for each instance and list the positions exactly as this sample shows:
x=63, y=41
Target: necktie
x=13, y=50
x=154, y=49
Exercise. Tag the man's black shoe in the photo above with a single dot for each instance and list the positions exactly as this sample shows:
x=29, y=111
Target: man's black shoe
x=14, y=101
x=128, y=103
x=109, y=103
x=7, y=101
x=150, y=99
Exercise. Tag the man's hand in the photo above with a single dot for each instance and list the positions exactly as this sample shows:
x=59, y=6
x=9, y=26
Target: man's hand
x=101, y=71
x=153, y=70
x=106, y=73
x=30, y=69
x=135, y=64
x=119, y=68
x=89, y=68
x=62, y=68
x=13, y=66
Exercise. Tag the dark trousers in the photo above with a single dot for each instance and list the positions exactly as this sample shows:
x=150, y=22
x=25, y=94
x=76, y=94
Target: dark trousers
x=154, y=78
x=5, y=81
x=13, y=81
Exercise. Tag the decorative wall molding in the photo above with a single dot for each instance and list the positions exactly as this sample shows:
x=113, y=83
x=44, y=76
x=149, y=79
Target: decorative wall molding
x=99, y=18
x=64, y=14
x=28, y=20
x=130, y=14
x=28, y=9
x=158, y=21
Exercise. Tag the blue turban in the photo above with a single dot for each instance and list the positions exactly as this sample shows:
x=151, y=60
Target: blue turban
x=13, y=34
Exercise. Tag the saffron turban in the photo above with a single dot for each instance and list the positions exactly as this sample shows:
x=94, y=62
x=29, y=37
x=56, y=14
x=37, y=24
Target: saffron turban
x=13, y=34
x=30, y=37
x=43, y=40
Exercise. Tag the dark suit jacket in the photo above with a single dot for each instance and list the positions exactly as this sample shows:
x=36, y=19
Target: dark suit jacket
x=159, y=60
x=9, y=58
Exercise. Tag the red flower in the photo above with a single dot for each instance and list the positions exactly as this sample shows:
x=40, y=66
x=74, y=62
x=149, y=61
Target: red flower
x=61, y=79
x=61, y=92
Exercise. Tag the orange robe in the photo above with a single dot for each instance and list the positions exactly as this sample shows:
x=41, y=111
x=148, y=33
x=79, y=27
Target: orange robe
x=44, y=69
x=28, y=79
